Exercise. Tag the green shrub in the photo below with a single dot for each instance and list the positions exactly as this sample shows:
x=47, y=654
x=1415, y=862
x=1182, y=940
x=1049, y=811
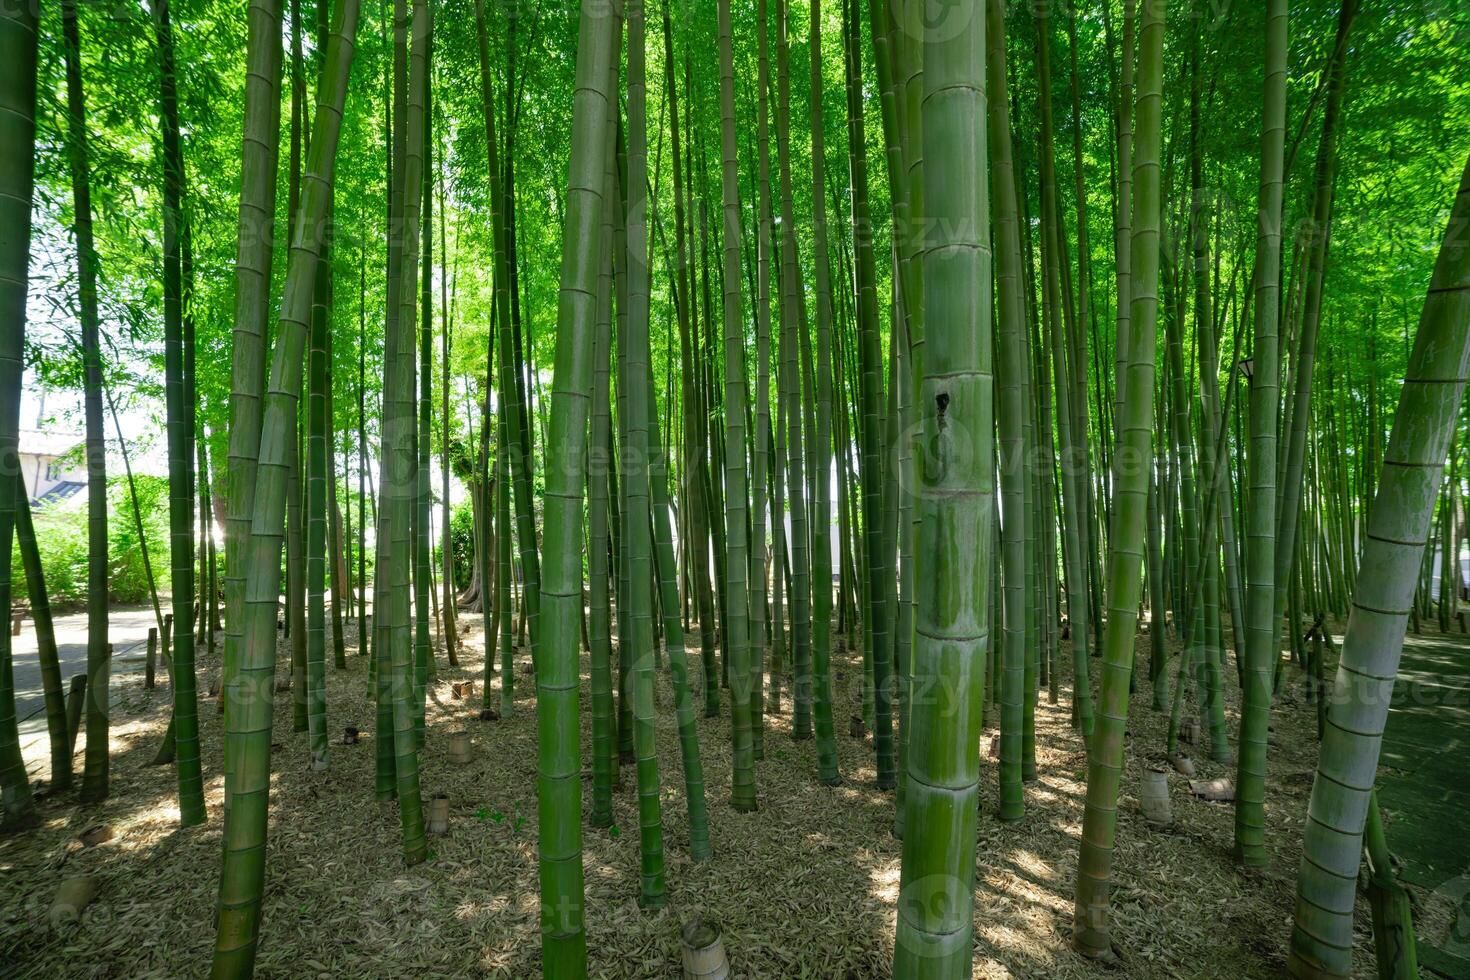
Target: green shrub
x=128, y=578
x=462, y=543
x=61, y=537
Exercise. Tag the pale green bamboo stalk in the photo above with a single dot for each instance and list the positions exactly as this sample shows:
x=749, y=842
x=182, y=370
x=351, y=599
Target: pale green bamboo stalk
x=95, y=773
x=737, y=618
x=398, y=457
x=316, y=517
x=250, y=703
x=559, y=767
x=638, y=513
x=1261, y=527
x=1126, y=542
x=1012, y=403
x=789, y=383
x=760, y=457
x=956, y=504
x=699, y=842
x=1362, y=690
x=821, y=459
x=605, y=732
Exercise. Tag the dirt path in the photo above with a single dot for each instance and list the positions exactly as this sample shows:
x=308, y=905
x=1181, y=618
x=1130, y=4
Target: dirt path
x=127, y=630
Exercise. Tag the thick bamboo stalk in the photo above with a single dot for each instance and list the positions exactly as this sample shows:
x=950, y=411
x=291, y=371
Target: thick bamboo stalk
x=563, y=930
x=956, y=505
x=250, y=704
x=1126, y=542
x=1402, y=512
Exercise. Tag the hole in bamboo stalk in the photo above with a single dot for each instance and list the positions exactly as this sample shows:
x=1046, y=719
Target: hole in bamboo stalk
x=942, y=400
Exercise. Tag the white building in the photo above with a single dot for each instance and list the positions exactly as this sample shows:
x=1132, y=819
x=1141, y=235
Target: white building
x=52, y=466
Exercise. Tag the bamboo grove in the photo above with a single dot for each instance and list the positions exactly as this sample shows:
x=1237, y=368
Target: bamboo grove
x=926, y=365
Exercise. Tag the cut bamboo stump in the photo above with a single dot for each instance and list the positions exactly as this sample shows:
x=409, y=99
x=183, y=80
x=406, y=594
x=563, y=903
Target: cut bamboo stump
x=438, y=815
x=459, y=748
x=1220, y=790
x=95, y=834
x=72, y=897
x=1182, y=764
x=1153, y=797
x=704, y=952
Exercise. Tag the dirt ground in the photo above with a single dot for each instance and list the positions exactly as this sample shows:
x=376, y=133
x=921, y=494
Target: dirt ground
x=805, y=887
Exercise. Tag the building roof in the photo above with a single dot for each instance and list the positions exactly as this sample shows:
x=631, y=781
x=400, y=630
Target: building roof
x=38, y=443
x=64, y=490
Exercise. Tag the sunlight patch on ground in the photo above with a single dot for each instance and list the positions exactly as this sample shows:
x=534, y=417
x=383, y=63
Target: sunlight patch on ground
x=885, y=883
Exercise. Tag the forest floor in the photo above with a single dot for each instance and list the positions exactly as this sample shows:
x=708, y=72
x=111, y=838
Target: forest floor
x=805, y=887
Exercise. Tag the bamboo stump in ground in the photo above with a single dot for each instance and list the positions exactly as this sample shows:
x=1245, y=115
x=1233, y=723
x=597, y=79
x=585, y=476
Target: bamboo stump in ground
x=704, y=951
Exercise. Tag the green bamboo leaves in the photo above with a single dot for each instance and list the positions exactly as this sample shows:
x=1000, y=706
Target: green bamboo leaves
x=956, y=503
